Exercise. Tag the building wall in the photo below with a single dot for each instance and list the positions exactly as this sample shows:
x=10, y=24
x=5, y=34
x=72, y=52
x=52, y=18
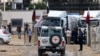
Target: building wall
x=26, y=16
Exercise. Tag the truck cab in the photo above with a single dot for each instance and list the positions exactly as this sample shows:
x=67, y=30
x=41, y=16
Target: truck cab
x=94, y=19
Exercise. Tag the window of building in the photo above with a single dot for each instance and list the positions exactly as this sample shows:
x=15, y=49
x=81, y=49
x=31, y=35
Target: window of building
x=16, y=22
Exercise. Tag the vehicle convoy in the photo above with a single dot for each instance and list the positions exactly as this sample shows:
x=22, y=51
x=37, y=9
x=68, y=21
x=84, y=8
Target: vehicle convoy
x=51, y=39
x=52, y=32
x=60, y=19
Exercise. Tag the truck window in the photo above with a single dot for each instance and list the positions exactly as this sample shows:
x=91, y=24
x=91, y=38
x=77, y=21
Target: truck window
x=44, y=32
x=55, y=31
x=51, y=21
x=82, y=23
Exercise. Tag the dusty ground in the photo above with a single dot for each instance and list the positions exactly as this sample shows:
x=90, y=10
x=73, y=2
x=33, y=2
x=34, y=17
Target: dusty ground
x=17, y=48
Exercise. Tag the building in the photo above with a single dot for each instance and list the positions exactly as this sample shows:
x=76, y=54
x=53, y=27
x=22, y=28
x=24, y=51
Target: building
x=18, y=18
x=17, y=4
x=74, y=5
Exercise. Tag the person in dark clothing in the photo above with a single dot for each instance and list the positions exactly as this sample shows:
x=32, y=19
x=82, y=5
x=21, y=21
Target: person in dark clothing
x=19, y=32
x=84, y=36
x=26, y=28
x=10, y=29
x=74, y=36
x=80, y=36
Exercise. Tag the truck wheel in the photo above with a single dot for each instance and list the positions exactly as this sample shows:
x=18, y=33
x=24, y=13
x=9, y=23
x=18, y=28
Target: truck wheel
x=40, y=53
x=1, y=41
x=63, y=53
x=6, y=42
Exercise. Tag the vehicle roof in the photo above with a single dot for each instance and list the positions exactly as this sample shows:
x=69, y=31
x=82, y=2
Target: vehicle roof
x=55, y=13
x=92, y=13
x=46, y=27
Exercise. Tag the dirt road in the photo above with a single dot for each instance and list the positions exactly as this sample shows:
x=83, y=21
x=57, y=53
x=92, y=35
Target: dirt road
x=17, y=48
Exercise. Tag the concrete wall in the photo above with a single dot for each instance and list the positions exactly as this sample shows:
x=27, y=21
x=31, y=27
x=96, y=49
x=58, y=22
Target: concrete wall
x=25, y=15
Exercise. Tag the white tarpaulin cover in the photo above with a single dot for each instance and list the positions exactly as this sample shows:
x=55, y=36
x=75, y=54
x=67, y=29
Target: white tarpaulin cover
x=54, y=13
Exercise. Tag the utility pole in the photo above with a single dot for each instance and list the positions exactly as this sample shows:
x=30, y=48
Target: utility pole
x=88, y=28
x=4, y=5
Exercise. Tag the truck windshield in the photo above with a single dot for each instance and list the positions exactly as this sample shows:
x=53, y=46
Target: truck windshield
x=51, y=21
x=82, y=23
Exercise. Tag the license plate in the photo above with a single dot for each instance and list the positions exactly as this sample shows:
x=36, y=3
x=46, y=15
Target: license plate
x=44, y=41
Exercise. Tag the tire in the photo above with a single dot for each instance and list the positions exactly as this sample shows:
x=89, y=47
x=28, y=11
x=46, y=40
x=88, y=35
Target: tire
x=39, y=53
x=1, y=41
x=51, y=40
x=63, y=53
x=6, y=42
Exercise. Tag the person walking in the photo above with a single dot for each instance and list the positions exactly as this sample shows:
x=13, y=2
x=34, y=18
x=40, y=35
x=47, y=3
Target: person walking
x=80, y=36
x=68, y=34
x=30, y=35
x=19, y=32
x=9, y=28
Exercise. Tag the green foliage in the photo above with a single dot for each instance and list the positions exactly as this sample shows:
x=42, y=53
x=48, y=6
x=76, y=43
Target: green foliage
x=31, y=6
x=8, y=7
x=39, y=5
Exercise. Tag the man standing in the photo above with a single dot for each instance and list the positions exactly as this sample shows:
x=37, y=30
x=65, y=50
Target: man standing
x=19, y=32
x=68, y=33
x=30, y=35
x=10, y=29
x=80, y=36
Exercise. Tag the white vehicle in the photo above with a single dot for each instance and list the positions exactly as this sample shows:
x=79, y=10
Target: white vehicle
x=94, y=23
x=5, y=37
x=51, y=39
x=94, y=19
x=60, y=19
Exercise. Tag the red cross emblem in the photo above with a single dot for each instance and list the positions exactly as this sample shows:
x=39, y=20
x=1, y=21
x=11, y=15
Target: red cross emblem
x=55, y=39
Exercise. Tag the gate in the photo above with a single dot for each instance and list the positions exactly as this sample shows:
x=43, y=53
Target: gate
x=95, y=38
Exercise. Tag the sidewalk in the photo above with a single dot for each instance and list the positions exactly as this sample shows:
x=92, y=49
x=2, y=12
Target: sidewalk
x=72, y=50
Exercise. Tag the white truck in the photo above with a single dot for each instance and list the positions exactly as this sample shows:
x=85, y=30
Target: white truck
x=60, y=18
x=94, y=24
x=94, y=19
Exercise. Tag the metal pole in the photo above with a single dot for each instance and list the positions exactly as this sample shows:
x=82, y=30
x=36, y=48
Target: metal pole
x=4, y=5
x=88, y=35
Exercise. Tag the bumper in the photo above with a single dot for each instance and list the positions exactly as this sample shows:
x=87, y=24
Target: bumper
x=51, y=48
x=7, y=39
